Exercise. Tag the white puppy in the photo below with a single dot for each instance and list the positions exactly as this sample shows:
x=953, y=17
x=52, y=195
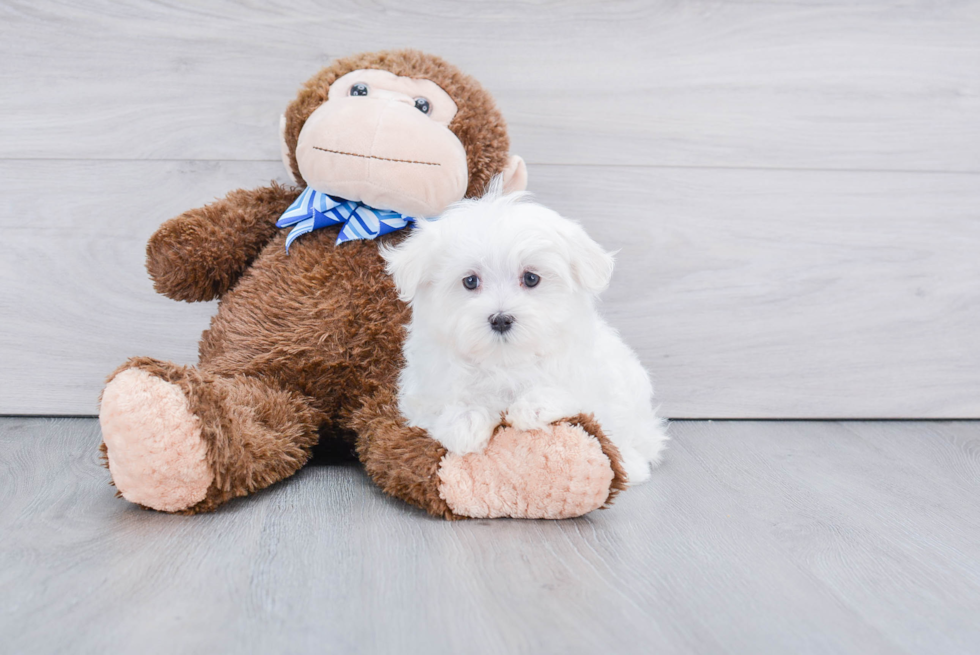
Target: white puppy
x=504, y=323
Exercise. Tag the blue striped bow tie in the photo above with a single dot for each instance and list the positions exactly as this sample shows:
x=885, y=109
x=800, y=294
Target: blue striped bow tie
x=313, y=210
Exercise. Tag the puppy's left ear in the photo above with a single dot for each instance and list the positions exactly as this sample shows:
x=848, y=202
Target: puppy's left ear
x=592, y=267
x=408, y=262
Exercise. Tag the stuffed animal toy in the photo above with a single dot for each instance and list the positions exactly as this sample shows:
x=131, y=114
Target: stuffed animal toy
x=306, y=343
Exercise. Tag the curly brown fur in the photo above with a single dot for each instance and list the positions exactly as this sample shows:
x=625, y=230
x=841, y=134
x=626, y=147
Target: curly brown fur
x=201, y=254
x=478, y=123
x=255, y=434
x=343, y=351
x=303, y=342
x=403, y=461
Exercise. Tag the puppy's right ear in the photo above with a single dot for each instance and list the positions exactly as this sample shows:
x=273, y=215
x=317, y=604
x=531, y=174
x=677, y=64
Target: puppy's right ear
x=408, y=262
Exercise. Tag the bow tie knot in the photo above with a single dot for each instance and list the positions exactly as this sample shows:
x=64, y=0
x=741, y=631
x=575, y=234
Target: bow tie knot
x=313, y=210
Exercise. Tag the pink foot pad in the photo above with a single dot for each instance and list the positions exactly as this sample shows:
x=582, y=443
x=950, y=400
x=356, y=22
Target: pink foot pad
x=156, y=455
x=540, y=474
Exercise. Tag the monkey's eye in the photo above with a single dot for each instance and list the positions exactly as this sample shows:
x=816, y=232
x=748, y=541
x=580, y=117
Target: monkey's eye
x=359, y=89
x=471, y=282
x=531, y=279
x=422, y=105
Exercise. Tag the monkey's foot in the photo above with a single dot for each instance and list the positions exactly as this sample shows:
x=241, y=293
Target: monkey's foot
x=566, y=470
x=153, y=442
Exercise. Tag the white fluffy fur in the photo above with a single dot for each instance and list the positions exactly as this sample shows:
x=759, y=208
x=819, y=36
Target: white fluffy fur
x=559, y=359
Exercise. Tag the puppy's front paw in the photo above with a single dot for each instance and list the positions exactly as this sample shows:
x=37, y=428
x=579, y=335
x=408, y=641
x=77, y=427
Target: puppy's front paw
x=527, y=417
x=539, y=408
x=462, y=429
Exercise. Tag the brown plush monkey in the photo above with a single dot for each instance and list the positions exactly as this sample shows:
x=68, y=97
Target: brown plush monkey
x=306, y=344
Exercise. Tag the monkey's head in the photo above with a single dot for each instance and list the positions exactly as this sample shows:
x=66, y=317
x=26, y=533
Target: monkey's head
x=399, y=130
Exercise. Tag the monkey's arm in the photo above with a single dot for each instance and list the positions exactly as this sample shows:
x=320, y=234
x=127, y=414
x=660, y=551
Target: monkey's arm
x=200, y=254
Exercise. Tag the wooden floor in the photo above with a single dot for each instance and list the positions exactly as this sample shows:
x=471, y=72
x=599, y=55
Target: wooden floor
x=754, y=537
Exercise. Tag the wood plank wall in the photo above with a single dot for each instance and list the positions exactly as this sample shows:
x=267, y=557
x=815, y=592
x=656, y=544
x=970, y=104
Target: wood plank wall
x=794, y=188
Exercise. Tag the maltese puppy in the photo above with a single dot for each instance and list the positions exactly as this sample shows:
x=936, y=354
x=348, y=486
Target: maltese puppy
x=504, y=326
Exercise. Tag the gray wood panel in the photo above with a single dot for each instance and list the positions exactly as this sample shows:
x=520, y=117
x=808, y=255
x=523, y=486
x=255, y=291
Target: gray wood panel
x=793, y=186
x=753, y=537
x=872, y=85
x=747, y=293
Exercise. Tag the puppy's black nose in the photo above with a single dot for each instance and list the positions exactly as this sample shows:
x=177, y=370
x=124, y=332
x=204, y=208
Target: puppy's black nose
x=501, y=322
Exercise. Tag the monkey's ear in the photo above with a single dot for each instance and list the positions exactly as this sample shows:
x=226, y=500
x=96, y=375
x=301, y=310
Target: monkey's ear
x=515, y=175
x=284, y=149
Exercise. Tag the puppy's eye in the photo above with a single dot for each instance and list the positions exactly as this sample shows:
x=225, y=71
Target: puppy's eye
x=359, y=89
x=531, y=279
x=422, y=105
x=471, y=282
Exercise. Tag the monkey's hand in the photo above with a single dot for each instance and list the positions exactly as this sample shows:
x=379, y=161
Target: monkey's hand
x=200, y=254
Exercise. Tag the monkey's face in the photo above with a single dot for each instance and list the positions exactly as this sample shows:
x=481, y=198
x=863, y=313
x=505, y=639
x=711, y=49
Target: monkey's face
x=385, y=140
